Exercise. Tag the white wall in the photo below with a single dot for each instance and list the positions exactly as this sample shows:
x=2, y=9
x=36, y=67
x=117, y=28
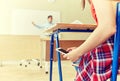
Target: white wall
x=70, y=11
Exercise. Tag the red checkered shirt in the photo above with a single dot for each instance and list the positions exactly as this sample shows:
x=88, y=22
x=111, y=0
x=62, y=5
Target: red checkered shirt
x=96, y=65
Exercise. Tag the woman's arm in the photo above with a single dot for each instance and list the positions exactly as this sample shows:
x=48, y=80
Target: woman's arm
x=105, y=29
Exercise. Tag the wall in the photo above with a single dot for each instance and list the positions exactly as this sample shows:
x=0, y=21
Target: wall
x=13, y=47
x=21, y=47
x=70, y=11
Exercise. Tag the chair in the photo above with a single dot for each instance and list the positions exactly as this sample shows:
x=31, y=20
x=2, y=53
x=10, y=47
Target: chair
x=26, y=62
x=116, y=45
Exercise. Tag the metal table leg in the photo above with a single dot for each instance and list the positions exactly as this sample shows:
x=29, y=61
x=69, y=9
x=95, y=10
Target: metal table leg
x=51, y=54
x=58, y=57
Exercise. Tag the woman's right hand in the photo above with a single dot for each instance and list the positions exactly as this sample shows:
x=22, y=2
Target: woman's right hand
x=73, y=54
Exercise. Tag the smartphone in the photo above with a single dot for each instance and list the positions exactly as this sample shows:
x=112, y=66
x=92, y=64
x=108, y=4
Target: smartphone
x=75, y=64
x=63, y=51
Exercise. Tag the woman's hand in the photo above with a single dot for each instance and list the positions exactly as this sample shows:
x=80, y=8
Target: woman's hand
x=73, y=55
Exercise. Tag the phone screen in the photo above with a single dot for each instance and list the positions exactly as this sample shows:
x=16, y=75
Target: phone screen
x=62, y=50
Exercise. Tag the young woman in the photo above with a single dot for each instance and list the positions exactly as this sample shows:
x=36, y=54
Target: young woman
x=95, y=53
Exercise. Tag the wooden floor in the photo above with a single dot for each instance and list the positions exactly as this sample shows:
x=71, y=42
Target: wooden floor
x=34, y=73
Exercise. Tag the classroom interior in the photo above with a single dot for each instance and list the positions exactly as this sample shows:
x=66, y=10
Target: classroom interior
x=22, y=48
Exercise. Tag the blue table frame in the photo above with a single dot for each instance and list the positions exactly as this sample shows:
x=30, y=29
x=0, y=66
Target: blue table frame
x=116, y=51
x=55, y=35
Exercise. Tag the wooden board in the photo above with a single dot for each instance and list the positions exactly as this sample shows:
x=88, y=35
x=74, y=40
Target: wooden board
x=71, y=26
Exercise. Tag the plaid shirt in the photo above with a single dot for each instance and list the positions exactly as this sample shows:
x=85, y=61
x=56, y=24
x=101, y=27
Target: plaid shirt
x=96, y=65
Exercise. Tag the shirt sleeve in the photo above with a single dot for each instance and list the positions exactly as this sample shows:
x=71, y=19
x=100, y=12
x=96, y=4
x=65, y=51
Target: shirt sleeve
x=38, y=26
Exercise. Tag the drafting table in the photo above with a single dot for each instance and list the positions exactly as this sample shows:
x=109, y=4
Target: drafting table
x=64, y=27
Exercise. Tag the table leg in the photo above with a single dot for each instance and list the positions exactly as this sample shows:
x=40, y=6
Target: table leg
x=51, y=54
x=58, y=57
